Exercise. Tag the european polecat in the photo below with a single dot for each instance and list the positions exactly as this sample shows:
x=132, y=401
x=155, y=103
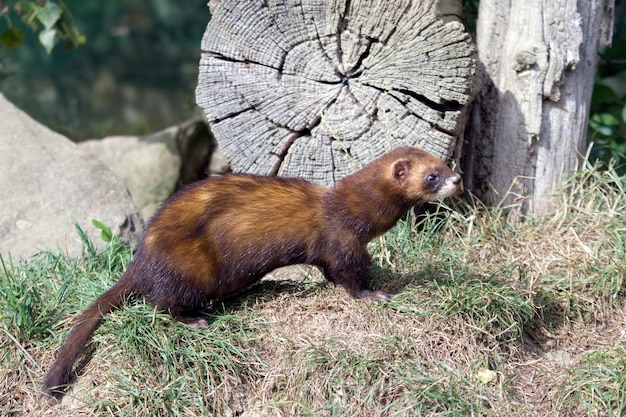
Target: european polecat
x=219, y=235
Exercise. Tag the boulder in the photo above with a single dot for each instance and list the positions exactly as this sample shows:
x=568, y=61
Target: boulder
x=47, y=184
x=149, y=166
x=154, y=166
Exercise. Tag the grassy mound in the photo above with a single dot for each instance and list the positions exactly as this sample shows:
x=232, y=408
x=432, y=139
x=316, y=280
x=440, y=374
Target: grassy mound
x=489, y=319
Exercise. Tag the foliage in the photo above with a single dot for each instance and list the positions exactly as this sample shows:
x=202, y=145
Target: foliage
x=28, y=307
x=25, y=311
x=52, y=19
x=136, y=74
x=607, y=121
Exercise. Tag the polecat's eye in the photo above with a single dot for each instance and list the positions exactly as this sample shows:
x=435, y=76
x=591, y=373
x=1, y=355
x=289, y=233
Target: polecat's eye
x=432, y=177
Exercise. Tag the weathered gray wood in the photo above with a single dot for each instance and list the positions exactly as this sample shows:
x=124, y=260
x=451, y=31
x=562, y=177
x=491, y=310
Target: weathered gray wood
x=528, y=127
x=318, y=88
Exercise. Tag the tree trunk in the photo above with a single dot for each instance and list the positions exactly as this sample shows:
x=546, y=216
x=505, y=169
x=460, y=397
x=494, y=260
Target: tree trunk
x=527, y=129
x=315, y=88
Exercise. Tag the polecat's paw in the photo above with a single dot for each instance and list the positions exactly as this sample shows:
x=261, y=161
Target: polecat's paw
x=193, y=321
x=198, y=322
x=370, y=296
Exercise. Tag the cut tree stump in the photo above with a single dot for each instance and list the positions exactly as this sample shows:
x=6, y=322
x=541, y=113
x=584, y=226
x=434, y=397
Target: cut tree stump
x=316, y=89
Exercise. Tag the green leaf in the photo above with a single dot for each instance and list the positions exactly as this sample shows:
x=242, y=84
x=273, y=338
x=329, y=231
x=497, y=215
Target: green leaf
x=624, y=114
x=11, y=38
x=608, y=119
x=70, y=32
x=618, y=147
x=48, y=14
x=604, y=123
x=107, y=234
x=48, y=38
x=603, y=130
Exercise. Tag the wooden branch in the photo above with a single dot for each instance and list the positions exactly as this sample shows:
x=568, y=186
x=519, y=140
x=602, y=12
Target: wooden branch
x=316, y=89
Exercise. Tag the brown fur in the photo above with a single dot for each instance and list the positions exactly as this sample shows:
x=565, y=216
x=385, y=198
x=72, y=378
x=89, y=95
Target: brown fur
x=222, y=234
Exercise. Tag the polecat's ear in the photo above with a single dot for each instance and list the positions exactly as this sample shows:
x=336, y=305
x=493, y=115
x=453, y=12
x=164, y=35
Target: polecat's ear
x=400, y=170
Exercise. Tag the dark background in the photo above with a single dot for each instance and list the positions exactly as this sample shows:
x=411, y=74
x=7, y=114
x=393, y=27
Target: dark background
x=137, y=73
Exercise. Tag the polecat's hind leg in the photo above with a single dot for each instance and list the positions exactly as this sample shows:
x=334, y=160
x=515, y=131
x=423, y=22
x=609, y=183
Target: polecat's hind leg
x=192, y=321
x=370, y=296
x=182, y=302
x=188, y=316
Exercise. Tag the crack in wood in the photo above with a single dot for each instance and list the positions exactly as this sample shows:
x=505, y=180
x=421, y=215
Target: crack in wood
x=441, y=108
x=342, y=24
x=444, y=107
x=225, y=58
x=352, y=73
x=230, y=115
x=281, y=156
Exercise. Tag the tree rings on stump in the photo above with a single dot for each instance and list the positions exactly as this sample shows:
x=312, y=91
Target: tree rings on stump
x=316, y=89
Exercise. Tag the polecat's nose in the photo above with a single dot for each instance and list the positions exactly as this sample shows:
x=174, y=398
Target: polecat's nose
x=457, y=181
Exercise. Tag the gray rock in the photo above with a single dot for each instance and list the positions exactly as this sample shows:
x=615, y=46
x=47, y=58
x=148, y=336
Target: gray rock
x=154, y=166
x=47, y=184
x=149, y=166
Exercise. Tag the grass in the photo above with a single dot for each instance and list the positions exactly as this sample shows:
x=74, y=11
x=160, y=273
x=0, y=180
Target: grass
x=597, y=386
x=489, y=320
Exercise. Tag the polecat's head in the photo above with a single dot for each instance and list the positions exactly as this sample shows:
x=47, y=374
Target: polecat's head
x=424, y=177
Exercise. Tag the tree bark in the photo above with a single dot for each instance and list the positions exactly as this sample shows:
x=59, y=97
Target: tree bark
x=527, y=129
x=316, y=89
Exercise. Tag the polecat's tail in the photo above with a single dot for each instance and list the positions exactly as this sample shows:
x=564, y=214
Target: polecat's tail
x=58, y=376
